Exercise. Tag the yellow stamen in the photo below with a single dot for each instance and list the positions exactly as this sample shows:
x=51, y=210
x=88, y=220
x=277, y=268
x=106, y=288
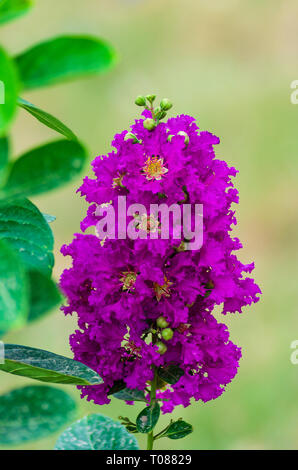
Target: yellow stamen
x=164, y=290
x=117, y=182
x=128, y=280
x=148, y=224
x=154, y=168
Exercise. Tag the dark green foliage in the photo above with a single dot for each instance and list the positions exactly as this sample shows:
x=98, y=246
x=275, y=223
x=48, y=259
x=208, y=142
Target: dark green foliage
x=33, y=412
x=63, y=58
x=148, y=418
x=27, y=291
x=11, y=9
x=96, y=432
x=46, y=366
x=45, y=168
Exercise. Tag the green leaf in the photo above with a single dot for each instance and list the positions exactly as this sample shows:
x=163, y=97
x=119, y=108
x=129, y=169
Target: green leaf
x=170, y=374
x=129, y=394
x=9, y=88
x=49, y=218
x=47, y=119
x=63, y=58
x=148, y=418
x=46, y=366
x=44, y=295
x=11, y=9
x=24, y=228
x=45, y=168
x=4, y=154
x=117, y=386
x=34, y=412
x=13, y=289
x=96, y=432
x=178, y=430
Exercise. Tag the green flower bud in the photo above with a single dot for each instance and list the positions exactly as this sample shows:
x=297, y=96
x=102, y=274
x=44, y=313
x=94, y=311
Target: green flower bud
x=166, y=104
x=157, y=110
x=151, y=98
x=186, y=137
x=161, y=347
x=149, y=124
x=162, y=322
x=140, y=100
x=170, y=137
x=167, y=334
x=160, y=115
x=131, y=136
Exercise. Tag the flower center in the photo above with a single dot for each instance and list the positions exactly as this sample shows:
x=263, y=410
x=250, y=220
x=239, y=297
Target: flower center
x=164, y=290
x=117, y=181
x=154, y=168
x=128, y=279
x=148, y=224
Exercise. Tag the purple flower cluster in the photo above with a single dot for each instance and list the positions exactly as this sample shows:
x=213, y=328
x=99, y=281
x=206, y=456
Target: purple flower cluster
x=119, y=288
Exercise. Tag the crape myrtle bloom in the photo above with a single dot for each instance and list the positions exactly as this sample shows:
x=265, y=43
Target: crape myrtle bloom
x=207, y=356
x=120, y=289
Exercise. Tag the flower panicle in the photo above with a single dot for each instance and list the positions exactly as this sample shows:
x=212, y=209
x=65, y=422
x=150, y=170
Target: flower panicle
x=146, y=305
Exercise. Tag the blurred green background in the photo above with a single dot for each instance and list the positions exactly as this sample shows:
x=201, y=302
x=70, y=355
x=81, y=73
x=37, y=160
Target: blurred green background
x=229, y=63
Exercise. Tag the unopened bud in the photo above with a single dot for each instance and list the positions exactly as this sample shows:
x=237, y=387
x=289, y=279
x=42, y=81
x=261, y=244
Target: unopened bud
x=186, y=137
x=167, y=334
x=131, y=136
x=166, y=104
x=140, y=100
x=149, y=124
x=160, y=115
x=161, y=347
x=151, y=98
x=162, y=322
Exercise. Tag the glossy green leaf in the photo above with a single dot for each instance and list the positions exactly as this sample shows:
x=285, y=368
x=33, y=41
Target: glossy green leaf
x=170, y=374
x=63, y=58
x=9, y=89
x=129, y=394
x=47, y=119
x=13, y=289
x=49, y=218
x=11, y=9
x=44, y=295
x=46, y=366
x=4, y=154
x=24, y=228
x=178, y=430
x=45, y=168
x=96, y=432
x=148, y=418
x=34, y=412
x=117, y=386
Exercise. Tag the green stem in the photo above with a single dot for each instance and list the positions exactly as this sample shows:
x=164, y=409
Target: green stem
x=150, y=438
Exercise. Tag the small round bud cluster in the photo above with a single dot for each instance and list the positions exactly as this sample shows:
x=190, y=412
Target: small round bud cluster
x=158, y=113
x=166, y=333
